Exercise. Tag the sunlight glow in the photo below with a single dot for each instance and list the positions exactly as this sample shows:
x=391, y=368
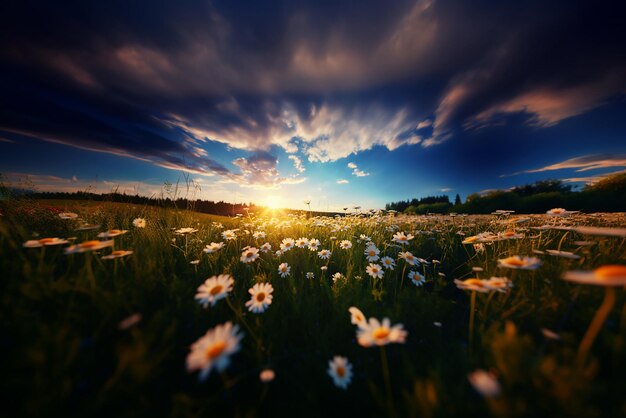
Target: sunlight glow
x=273, y=202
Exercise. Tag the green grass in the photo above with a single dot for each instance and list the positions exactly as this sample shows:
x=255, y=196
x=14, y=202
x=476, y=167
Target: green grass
x=64, y=354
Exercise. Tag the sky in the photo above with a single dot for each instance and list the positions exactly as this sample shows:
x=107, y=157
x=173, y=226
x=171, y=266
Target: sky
x=352, y=103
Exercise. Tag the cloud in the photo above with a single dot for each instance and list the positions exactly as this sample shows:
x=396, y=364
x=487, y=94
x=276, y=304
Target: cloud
x=342, y=181
x=424, y=124
x=359, y=173
x=446, y=189
x=259, y=170
x=581, y=164
x=297, y=163
x=351, y=165
x=591, y=179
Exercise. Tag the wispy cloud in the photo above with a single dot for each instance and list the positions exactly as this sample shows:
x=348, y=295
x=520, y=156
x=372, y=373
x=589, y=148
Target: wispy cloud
x=446, y=189
x=356, y=171
x=581, y=164
x=297, y=163
x=342, y=181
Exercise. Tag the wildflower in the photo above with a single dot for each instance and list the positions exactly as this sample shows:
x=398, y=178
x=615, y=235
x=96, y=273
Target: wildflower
x=258, y=234
x=213, y=350
x=371, y=253
x=485, y=383
x=194, y=262
x=185, y=231
x=36, y=243
x=388, y=263
x=519, y=262
x=87, y=246
x=324, y=268
x=509, y=235
x=340, y=369
x=267, y=375
x=112, y=233
x=416, y=278
x=213, y=247
x=337, y=276
x=345, y=244
x=559, y=212
x=375, y=270
x=499, y=284
x=310, y=275
x=284, y=269
x=261, y=297
x=408, y=257
x=302, y=242
x=314, y=244
x=117, y=254
x=214, y=289
x=400, y=238
x=357, y=317
x=607, y=275
x=324, y=254
x=229, y=235
x=266, y=247
x=249, y=255
x=365, y=238
x=380, y=333
x=68, y=215
x=139, y=223
x=287, y=244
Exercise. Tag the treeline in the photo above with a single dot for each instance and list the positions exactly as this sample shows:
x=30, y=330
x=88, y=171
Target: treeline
x=607, y=195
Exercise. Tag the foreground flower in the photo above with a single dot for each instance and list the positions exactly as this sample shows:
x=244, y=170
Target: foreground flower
x=324, y=254
x=375, y=271
x=345, y=244
x=473, y=284
x=380, y=333
x=112, y=233
x=36, y=243
x=185, y=231
x=266, y=247
x=302, y=242
x=117, y=254
x=608, y=275
x=357, y=317
x=214, y=289
x=371, y=253
x=287, y=244
x=249, y=255
x=284, y=269
x=139, y=223
x=519, y=262
x=87, y=246
x=340, y=369
x=388, y=262
x=408, y=257
x=261, y=297
x=416, y=278
x=213, y=247
x=485, y=383
x=213, y=350
x=401, y=238
x=314, y=244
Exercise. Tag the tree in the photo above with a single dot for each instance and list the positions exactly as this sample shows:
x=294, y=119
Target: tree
x=457, y=200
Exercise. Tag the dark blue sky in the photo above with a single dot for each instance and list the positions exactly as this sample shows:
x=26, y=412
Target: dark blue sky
x=357, y=103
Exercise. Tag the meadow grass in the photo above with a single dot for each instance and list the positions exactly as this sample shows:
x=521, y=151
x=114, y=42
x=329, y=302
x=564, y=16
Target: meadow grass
x=64, y=352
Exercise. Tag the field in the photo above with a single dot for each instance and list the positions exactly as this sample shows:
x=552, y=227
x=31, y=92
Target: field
x=84, y=335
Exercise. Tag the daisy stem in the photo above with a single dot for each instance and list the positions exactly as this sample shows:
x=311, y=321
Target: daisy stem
x=471, y=319
x=389, y=393
x=596, y=324
x=245, y=324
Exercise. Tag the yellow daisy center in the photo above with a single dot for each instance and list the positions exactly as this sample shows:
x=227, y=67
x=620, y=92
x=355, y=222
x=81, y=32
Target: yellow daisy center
x=249, y=254
x=381, y=333
x=46, y=240
x=260, y=297
x=215, y=350
x=514, y=261
x=216, y=289
x=89, y=244
x=474, y=282
x=610, y=271
x=341, y=371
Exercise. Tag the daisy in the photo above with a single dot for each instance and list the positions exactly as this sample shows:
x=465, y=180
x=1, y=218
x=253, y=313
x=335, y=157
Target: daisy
x=345, y=244
x=139, y=223
x=380, y=333
x=111, y=233
x=337, y=276
x=485, y=383
x=375, y=270
x=266, y=247
x=607, y=275
x=117, y=254
x=213, y=247
x=499, y=284
x=324, y=254
x=249, y=255
x=258, y=234
x=357, y=317
x=36, y=243
x=287, y=244
x=310, y=275
x=214, y=289
x=340, y=369
x=365, y=238
x=68, y=215
x=284, y=269
x=229, y=235
x=87, y=246
x=261, y=297
x=519, y=262
x=559, y=212
x=388, y=263
x=371, y=253
x=302, y=242
x=185, y=231
x=400, y=238
x=314, y=244
x=408, y=257
x=510, y=235
x=417, y=279
x=194, y=262
x=474, y=284
x=213, y=350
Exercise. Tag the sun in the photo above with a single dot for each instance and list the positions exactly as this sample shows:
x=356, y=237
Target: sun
x=273, y=202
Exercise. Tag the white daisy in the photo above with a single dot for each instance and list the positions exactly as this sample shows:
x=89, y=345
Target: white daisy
x=356, y=316
x=112, y=233
x=416, y=278
x=371, y=253
x=310, y=275
x=388, y=263
x=258, y=235
x=87, y=246
x=139, y=223
x=408, y=257
x=345, y=244
x=314, y=244
x=214, y=289
x=302, y=242
x=117, y=254
x=284, y=269
x=324, y=254
x=229, y=234
x=213, y=350
x=185, y=231
x=485, y=383
x=340, y=369
x=401, y=238
x=375, y=270
x=520, y=263
x=249, y=255
x=266, y=247
x=287, y=244
x=380, y=333
x=213, y=247
x=261, y=297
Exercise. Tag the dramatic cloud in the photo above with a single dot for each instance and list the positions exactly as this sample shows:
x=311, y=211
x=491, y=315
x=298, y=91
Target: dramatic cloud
x=260, y=170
